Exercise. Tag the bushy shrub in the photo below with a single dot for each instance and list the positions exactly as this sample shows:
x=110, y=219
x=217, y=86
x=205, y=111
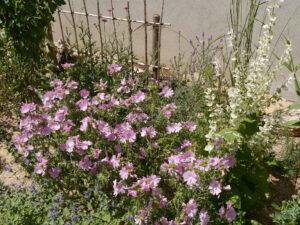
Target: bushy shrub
x=128, y=139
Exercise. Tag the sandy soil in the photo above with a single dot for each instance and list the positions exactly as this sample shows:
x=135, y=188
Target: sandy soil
x=10, y=171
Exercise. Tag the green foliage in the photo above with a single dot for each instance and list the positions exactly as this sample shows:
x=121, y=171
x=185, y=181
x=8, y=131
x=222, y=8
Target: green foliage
x=25, y=23
x=34, y=205
x=289, y=212
x=291, y=156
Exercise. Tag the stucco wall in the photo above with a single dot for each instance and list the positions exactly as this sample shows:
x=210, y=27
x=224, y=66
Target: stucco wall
x=191, y=18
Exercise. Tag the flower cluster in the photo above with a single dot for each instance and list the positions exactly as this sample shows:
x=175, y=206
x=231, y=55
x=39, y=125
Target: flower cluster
x=80, y=135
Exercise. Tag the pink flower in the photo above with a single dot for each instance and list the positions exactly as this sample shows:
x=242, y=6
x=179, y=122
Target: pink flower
x=124, y=173
x=28, y=108
x=109, y=10
x=67, y=65
x=72, y=84
x=61, y=114
x=71, y=142
x=185, y=144
x=139, y=97
x=230, y=214
x=97, y=153
x=104, y=20
x=56, y=82
x=84, y=93
x=163, y=202
x=125, y=133
x=117, y=148
x=191, y=126
x=68, y=125
x=85, y=123
x=148, y=131
x=85, y=163
x=215, y=187
x=132, y=193
x=204, y=217
x=119, y=188
x=174, y=128
x=227, y=188
x=40, y=168
x=54, y=172
x=229, y=162
x=190, y=177
x=222, y=211
x=166, y=92
x=169, y=109
x=54, y=126
x=191, y=209
x=83, y=104
x=115, y=162
x=114, y=68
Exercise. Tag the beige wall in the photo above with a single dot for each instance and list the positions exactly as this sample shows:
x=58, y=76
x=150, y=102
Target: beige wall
x=191, y=17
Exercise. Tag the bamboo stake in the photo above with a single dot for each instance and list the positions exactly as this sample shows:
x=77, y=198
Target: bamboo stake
x=146, y=36
x=60, y=24
x=155, y=46
x=87, y=17
x=115, y=30
x=130, y=38
x=74, y=25
x=119, y=19
x=160, y=29
x=100, y=31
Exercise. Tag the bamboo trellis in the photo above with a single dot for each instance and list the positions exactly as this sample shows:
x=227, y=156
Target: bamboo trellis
x=157, y=27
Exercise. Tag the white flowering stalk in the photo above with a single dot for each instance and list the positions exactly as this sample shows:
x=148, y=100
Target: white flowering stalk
x=216, y=113
x=252, y=84
x=264, y=138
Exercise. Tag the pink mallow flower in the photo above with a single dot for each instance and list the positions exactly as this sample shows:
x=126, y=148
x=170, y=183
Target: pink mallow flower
x=114, y=68
x=185, y=144
x=169, y=109
x=119, y=188
x=125, y=133
x=230, y=214
x=215, y=187
x=83, y=104
x=54, y=172
x=28, y=108
x=166, y=92
x=222, y=211
x=138, y=97
x=67, y=65
x=191, y=208
x=61, y=114
x=85, y=163
x=148, y=131
x=174, y=128
x=84, y=93
x=191, y=126
x=204, y=217
x=72, y=84
x=190, y=177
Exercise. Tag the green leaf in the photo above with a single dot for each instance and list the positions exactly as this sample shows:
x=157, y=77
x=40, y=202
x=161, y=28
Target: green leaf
x=230, y=134
x=275, y=206
x=235, y=200
x=288, y=66
x=295, y=106
x=292, y=123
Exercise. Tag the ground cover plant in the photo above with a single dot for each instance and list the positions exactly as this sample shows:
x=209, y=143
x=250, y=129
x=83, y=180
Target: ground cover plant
x=107, y=147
